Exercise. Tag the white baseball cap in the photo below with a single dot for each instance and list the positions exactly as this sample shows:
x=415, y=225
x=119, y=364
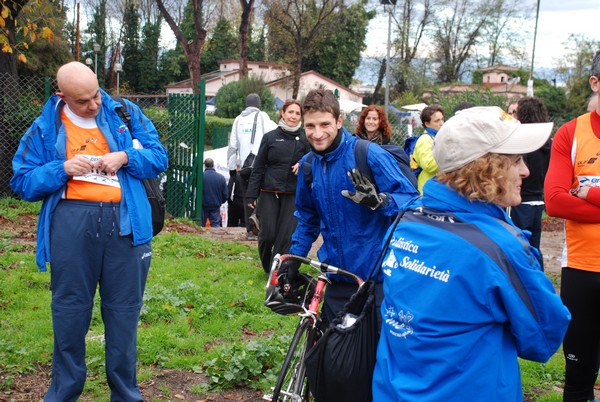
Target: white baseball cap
x=477, y=131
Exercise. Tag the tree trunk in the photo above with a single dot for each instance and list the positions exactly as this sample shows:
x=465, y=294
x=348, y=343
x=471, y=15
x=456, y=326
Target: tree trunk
x=244, y=33
x=193, y=58
x=193, y=47
x=297, y=72
x=380, y=76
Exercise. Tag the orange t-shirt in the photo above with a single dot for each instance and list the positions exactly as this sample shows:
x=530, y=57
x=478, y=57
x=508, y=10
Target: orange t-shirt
x=96, y=186
x=582, y=249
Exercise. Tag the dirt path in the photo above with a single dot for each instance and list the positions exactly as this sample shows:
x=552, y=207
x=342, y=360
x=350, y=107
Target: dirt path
x=551, y=247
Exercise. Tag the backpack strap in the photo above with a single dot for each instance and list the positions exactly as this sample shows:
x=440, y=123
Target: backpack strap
x=307, y=169
x=254, y=129
x=123, y=112
x=361, y=151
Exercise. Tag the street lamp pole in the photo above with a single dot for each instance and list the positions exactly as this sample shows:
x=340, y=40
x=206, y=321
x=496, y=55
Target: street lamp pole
x=118, y=69
x=530, y=81
x=387, y=63
x=96, y=50
x=390, y=3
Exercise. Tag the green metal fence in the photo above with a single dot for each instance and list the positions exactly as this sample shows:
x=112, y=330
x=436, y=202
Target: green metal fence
x=21, y=101
x=185, y=145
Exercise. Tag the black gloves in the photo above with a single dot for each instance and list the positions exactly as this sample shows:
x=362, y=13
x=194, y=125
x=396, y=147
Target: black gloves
x=366, y=193
x=288, y=274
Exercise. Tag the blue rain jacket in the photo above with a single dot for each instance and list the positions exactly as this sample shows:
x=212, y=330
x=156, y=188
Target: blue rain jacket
x=352, y=233
x=39, y=173
x=464, y=296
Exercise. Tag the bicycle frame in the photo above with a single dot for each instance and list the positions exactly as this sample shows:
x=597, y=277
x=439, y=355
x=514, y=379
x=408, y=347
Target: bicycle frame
x=294, y=388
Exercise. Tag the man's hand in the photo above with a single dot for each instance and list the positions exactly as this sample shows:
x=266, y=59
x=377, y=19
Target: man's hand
x=112, y=162
x=78, y=165
x=288, y=274
x=366, y=193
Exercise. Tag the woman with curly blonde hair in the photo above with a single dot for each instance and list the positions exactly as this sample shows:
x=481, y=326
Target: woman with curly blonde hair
x=485, y=179
x=373, y=125
x=464, y=295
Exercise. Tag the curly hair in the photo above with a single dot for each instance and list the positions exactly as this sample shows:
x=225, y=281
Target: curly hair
x=531, y=110
x=384, y=124
x=286, y=105
x=484, y=179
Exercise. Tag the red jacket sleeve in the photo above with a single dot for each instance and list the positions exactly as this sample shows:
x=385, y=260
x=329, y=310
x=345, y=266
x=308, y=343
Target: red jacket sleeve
x=559, y=201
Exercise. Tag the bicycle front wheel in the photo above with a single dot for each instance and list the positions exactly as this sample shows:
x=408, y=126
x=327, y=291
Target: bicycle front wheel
x=291, y=385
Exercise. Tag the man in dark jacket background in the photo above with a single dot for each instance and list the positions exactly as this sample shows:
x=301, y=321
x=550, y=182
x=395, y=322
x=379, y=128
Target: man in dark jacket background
x=528, y=214
x=214, y=193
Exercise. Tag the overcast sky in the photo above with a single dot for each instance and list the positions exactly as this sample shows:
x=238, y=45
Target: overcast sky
x=557, y=19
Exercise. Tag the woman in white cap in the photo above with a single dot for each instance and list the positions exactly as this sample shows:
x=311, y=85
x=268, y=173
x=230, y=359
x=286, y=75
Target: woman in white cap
x=464, y=295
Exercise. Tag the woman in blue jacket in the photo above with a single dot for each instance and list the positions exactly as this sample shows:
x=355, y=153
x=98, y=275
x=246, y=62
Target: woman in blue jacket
x=464, y=295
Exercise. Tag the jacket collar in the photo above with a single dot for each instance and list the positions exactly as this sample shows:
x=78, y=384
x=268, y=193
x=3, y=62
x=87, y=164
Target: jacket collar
x=442, y=197
x=346, y=139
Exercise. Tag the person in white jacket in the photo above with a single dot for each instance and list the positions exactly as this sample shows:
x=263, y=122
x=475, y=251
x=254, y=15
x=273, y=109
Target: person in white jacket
x=246, y=135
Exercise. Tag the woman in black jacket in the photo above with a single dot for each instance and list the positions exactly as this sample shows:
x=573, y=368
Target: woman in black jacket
x=272, y=185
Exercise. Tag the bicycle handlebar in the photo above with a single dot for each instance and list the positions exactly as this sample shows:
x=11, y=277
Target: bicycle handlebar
x=323, y=267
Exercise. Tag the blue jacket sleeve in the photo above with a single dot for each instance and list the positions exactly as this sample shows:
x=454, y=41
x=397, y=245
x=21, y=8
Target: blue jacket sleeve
x=37, y=172
x=537, y=318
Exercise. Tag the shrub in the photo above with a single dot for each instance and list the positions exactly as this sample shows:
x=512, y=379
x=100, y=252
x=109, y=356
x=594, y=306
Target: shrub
x=214, y=130
x=160, y=118
x=480, y=97
x=231, y=98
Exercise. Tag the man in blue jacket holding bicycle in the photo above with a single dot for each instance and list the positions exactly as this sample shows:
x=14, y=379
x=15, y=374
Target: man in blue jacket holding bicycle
x=95, y=224
x=340, y=203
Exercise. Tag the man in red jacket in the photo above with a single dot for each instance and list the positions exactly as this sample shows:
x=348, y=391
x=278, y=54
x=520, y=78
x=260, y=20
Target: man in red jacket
x=572, y=192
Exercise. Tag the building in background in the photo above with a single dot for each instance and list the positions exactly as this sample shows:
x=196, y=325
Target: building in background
x=495, y=78
x=278, y=78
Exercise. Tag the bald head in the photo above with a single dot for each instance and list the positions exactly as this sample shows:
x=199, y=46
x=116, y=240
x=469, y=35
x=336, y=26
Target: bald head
x=78, y=87
x=73, y=75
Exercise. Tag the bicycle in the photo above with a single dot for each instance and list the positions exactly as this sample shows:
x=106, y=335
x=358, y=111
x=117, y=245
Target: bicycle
x=304, y=300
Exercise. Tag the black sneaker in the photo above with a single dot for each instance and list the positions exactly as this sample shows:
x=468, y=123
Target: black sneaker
x=253, y=225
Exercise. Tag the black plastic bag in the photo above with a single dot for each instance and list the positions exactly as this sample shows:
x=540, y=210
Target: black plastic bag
x=340, y=365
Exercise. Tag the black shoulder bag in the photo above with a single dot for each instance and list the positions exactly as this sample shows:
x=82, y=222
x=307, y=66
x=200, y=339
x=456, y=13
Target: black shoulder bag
x=248, y=165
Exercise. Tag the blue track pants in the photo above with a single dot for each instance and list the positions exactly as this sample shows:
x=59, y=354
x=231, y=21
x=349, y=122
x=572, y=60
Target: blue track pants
x=88, y=252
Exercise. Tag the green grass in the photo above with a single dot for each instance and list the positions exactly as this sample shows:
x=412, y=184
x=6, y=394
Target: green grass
x=203, y=312
x=11, y=208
